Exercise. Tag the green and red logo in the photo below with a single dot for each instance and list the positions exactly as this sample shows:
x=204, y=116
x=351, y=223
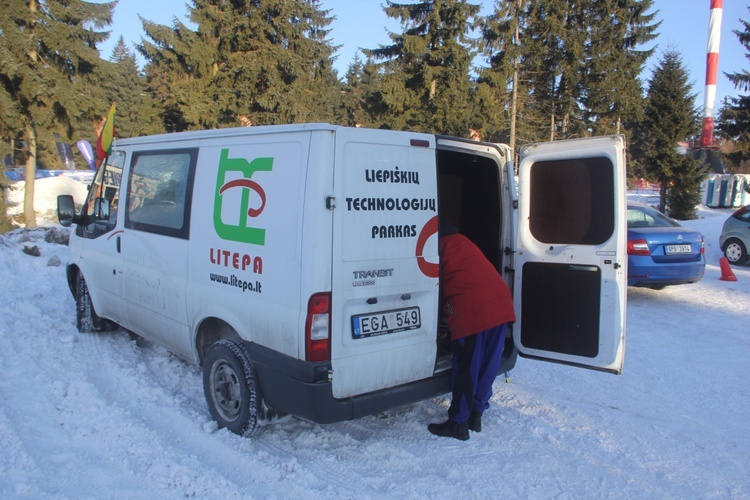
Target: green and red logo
x=232, y=211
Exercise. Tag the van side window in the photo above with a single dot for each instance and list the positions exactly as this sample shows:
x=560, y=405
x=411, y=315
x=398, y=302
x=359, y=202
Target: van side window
x=572, y=201
x=160, y=188
x=106, y=185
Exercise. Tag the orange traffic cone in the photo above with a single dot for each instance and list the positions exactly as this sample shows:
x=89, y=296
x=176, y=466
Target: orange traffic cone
x=726, y=270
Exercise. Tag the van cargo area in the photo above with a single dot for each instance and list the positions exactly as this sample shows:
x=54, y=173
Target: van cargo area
x=470, y=187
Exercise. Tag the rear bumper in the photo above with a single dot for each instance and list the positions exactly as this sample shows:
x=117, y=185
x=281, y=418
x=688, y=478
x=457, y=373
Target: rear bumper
x=663, y=274
x=660, y=282
x=303, y=389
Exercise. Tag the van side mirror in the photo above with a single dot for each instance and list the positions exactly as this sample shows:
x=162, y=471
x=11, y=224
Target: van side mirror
x=101, y=209
x=66, y=210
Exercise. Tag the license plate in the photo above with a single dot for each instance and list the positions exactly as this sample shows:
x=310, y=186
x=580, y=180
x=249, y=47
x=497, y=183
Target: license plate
x=382, y=323
x=679, y=249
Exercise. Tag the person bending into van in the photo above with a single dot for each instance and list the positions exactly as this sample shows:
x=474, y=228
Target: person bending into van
x=479, y=307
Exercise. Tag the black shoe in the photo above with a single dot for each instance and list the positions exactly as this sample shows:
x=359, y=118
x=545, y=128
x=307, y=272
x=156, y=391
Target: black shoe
x=450, y=429
x=475, y=421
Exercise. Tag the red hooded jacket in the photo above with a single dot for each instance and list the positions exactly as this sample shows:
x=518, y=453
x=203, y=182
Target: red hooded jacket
x=475, y=297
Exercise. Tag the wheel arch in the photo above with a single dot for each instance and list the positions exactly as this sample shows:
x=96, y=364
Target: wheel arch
x=209, y=331
x=734, y=239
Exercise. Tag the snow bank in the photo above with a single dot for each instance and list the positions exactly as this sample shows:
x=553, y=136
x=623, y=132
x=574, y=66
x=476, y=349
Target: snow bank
x=46, y=191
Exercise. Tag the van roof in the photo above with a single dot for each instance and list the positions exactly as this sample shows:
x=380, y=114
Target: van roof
x=194, y=135
x=225, y=132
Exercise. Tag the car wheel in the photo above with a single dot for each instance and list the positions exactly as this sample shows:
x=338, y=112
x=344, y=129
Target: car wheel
x=735, y=251
x=231, y=387
x=87, y=320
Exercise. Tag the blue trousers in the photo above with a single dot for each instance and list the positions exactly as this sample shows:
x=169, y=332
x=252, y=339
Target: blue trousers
x=476, y=361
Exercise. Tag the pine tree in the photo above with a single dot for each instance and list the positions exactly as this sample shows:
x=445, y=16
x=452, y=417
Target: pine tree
x=360, y=80
x=741, y=79
x=137, y=112
x=48, y=50
x=249, y=61
x=734, y=125
x=540, y=43
x=425, y=82
x=558, y=42
x=578, y=64
x=684, y=191
x=177, y=71
x=500, y=91
x=613, y=91
x=669, y=117
x=734, y=118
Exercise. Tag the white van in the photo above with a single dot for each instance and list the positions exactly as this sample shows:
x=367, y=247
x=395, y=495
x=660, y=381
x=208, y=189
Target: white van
x=299, y=264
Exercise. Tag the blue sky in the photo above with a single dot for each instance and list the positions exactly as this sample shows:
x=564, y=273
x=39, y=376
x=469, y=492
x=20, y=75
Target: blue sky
x=362, y=23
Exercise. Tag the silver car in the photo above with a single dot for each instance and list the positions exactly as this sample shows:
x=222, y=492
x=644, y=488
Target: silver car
x=735, y=236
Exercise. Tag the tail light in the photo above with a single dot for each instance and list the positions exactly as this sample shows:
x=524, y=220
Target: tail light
x=638, y=247
x=703, y=245
x=318, y=328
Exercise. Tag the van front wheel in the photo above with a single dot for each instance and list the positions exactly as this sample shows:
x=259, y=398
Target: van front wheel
x=87, y=320
x=231, y=388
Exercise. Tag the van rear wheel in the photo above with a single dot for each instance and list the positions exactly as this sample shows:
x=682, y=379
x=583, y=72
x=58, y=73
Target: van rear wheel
x=231, y=388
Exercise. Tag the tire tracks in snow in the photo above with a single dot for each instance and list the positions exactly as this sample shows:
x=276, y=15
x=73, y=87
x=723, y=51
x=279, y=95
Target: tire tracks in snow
x=148, y=385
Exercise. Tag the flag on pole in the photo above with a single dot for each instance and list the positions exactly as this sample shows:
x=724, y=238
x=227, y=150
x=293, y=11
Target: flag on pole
x=107, y=134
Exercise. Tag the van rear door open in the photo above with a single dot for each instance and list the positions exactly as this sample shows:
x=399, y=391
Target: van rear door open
x=571, y=256
x=385, y=259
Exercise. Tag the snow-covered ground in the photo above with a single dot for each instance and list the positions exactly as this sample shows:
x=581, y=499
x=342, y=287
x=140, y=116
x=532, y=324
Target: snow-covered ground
x=114, y=416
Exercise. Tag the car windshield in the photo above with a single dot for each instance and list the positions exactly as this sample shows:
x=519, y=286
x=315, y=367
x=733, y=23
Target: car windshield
x=647, y=217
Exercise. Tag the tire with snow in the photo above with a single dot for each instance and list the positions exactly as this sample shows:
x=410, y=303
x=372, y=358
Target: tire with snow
x=735, y=251
x=87, y=320
x=231, y=387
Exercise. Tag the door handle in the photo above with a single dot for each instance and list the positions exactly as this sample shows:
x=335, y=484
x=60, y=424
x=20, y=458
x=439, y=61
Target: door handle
x=118, y=245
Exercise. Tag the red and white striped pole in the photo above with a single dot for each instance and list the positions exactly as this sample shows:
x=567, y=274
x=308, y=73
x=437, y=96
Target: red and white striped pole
x=712, y=70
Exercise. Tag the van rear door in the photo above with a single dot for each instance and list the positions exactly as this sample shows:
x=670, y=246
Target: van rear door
x=570, y=283
x=385, y=260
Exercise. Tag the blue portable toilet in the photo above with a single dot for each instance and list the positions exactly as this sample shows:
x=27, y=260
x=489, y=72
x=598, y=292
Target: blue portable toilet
x=710, y=187
x=725, y=191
